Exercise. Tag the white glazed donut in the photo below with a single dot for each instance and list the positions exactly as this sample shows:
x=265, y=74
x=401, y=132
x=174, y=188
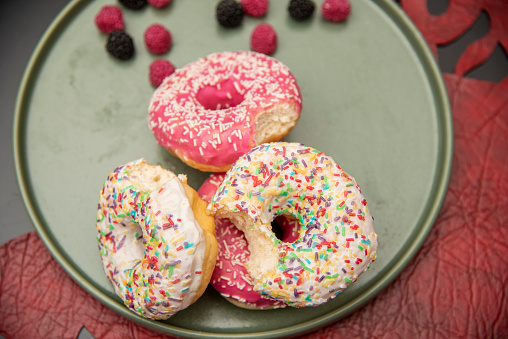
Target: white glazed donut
x=157, y=245
x=336, y=242
x=217, y=108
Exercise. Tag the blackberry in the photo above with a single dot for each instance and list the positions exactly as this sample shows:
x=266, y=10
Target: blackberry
x=229, y=13
x=134, y=4
x=301, y=9
x=120, y=45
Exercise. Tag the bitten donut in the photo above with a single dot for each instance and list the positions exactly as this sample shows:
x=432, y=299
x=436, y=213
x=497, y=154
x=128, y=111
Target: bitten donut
x=230, y=277
x=336, y=241
x=217, y=108
x=157, y=244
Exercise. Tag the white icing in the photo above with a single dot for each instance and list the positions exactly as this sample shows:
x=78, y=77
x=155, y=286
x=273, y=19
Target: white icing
x=337, y=241
x=160, y=273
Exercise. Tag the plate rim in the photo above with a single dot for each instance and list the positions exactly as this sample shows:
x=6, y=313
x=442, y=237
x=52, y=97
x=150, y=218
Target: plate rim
x=439, y=187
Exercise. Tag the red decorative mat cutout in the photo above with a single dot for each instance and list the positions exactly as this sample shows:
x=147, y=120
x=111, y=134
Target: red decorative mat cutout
x=456, y=286
x=458, y=18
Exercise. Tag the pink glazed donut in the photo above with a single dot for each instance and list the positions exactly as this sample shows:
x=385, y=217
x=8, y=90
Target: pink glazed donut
x=215, y=109
x=230, y=277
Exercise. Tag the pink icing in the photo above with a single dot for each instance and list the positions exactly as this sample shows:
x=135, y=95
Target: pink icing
x=223, y=94
x=206, y=111
x=230, y=277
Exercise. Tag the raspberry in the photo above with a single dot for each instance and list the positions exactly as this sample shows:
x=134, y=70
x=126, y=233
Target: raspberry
x=159, y=3
x=120, y=45
x=159, y=70
x=229, y=13
x=109, y=19
x=263, y=39
x=157, y=39
x=301, y=9
x=134, y=4
x=336, y=10
x=255, y=8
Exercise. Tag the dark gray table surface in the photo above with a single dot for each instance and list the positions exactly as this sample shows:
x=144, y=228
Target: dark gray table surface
x=23, y=23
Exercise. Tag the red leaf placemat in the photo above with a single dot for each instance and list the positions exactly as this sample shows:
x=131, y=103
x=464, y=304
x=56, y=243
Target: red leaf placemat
x=456, y=286
x=458, y=18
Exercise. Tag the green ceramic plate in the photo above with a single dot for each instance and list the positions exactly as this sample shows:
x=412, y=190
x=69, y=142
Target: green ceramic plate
x=373, y=99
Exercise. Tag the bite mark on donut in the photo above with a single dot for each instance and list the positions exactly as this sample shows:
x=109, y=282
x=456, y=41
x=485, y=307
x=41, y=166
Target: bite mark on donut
x=230, y=277
x=258, y=242
x=275, y=123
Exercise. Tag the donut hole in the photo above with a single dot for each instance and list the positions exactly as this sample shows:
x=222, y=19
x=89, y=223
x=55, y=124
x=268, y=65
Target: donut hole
x=286, y=228
x=219, y=96
x=130, y=244
x=277, y=229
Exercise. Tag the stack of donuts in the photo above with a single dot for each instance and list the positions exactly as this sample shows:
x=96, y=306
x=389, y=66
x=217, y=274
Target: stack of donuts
x=276, y=224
